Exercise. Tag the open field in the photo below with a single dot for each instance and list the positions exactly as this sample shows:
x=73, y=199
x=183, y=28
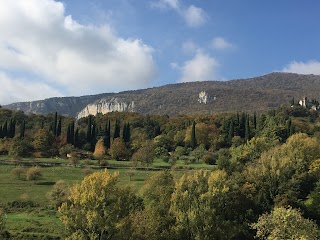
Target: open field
x=40, y=221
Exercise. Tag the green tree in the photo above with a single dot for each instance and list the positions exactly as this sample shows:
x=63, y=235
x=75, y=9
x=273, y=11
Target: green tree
x=116, y=133
x=145, y=155
x=118, y=149
x=207, y=206
x=43, y=141
x=285, y=223
x=19, y=148
x=55, y=122
x=96, y=207
x=22, y=129
x=107, y=135
x=59, y=193
x=157, y=221
x=59, y=127
x=193, y=141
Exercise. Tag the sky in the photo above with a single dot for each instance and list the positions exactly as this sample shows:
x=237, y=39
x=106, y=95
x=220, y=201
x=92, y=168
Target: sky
x=55, y=48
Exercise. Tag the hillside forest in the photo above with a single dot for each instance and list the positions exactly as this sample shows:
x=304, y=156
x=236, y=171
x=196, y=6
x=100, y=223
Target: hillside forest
x=259, y=174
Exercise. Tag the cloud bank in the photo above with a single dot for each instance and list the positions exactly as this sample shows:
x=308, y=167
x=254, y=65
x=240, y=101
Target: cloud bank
x=38, y=39
x=310, y=67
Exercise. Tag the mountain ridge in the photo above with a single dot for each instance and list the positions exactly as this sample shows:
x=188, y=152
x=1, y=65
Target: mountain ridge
x=251, y=94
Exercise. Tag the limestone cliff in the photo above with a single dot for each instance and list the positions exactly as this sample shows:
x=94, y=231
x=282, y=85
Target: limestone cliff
x=106, y=105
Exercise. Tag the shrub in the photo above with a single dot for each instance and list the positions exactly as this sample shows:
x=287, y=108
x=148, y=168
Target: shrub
x=59, y=193
x=66, y=149
x=210, y=158
x=18, y=172
x=34, y=173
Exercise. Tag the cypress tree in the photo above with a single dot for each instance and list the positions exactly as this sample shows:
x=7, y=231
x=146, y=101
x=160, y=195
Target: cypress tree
x=255, y=120
x=89, y=129
x=126, y=133
x=68, y=135
x=231, y=132
x=193, y=140
x=72, y=133
x=22, y=129
x=1, y=133
x=59, y=128
x=55, y=122
x=116, y=130
x=107, y=135
x=11, y=129
x=242, y=125
x=93, y=137
x=5, y=129
x=76, y=138
x=289, y=128
x=247, y=129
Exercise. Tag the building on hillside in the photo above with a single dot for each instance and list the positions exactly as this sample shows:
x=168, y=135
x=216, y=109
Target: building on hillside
x=306, y=103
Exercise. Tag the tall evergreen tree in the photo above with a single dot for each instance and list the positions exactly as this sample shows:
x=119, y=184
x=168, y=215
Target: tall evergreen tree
x=242, y=125
x=68, y=134
x=93, y=137
x=76, y=138
x=231, y=132
x=1, y=133
x=247, y=129
x=193, y=140
x=22, y=129
x=116, y=130
x=126, y=133
x=11, y=128
x=5, y=129
x=289, y=128
x=89, y=128
x=72, y=132
x=59, y=128
x=255, y=120
x=55, y=122
x=107, y=135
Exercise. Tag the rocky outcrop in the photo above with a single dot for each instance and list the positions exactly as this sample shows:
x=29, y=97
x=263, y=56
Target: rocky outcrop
x=106, y=105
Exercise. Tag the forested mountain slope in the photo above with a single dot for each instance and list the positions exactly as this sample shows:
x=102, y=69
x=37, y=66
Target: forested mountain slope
x=253, y=94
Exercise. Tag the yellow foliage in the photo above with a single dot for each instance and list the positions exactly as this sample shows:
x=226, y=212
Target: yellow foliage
x=100, y=149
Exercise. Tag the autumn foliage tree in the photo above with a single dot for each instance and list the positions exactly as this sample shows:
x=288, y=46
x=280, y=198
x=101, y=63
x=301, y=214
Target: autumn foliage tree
x=96, y=207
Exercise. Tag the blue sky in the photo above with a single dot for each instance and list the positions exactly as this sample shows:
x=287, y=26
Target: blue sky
x=78, y=47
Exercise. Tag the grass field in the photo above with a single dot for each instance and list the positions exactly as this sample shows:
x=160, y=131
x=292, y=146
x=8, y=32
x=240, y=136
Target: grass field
x=40, y=221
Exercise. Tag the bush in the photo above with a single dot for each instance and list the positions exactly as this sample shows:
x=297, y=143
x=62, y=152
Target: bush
x=210, y=158
x=18, y=172
x=59, y=193
x=165, y=159
x=34, y=173
x=66, y=149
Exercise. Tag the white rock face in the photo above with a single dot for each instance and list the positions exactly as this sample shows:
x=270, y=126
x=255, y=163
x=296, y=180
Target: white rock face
x=106, y=105
x=203, y=97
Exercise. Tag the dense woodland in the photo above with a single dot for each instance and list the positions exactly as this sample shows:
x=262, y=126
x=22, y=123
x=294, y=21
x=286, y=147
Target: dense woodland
x=266, y=183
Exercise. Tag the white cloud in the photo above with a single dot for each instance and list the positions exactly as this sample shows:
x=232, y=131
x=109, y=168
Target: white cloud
x=192, y=15
x=201, y=68
x=18, y=90
x=221, y=43
x=310, y=67
x=37, y=38
x=175, y=4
